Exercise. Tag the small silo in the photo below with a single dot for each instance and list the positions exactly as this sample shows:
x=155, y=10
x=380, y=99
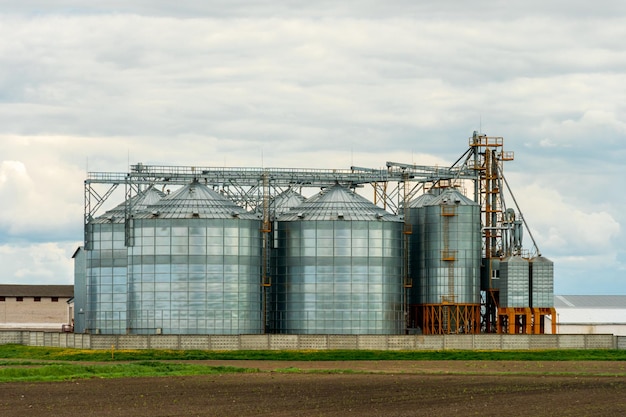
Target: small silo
x=106, y=267
x=449, y=277
x=514, y=282
x=339, y=267
x=195, y=266
x=542, y=282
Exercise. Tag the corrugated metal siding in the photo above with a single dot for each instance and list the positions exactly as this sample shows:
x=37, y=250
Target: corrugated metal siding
x=514, y=282
x=449, y=252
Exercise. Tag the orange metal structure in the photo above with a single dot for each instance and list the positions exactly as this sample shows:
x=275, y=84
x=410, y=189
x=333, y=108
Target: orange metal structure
x=448, y=318
x=488, y=160
x=524, y=320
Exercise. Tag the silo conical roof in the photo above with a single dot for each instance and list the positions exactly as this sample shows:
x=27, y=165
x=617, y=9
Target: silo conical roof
x=196, y=200
x=286, y=200
x=451, y=196
x=422, y=200
x=138, y=202
x=337, y=203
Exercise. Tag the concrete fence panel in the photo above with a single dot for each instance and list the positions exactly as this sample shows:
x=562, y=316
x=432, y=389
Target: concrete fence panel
x=226, y=342
x=544, y=341
x=283, y=342
x=459, y=342
x=571, y=341
x=254, y=342
x=515, y=341
x=600, y=341
x=434, y=342
x=488, y=342
x=372, y=342
x=401, y=342
x=339, y=342
x=104, y=342
x=312, y=342
x=194, y=342
x=11, y=337
x=169, y=341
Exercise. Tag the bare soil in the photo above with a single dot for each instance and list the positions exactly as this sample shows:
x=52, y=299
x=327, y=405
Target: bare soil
x=387, y=388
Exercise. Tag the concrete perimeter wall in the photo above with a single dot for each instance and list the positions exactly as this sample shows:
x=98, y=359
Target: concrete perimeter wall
x=316, y=342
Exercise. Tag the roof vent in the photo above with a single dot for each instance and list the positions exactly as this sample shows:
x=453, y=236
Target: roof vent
x=340, y=214
x=156, y=213
x=301, y=215
x=234, y=214
x=195, y=213
x=379, y=215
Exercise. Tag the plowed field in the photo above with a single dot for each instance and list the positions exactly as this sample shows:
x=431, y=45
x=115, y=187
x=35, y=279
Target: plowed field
x=387, y=388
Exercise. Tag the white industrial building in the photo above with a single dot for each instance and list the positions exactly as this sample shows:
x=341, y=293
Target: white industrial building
x=590, y=314
x=36, y=307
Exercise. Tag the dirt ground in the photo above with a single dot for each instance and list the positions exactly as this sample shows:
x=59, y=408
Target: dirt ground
x=394, y=388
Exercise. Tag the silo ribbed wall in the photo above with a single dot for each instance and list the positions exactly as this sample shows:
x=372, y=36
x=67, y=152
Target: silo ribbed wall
x=451, y=246
x=514, y=282
x=417, y=258
x=195, y=276
x=542, y=282
x=106, y=263
x=339, y=278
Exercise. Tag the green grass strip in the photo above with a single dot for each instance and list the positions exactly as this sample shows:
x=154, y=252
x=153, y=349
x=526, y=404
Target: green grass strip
x=71, y=371
x=68, y=354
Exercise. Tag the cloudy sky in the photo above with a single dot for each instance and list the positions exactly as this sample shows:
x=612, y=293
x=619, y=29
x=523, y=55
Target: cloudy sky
x=322, y=84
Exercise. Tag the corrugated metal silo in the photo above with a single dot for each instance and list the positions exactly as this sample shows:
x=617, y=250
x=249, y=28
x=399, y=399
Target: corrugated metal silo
x=339, y=267
x=449, y=282
x=195, y=266
x=106, y=266
x=514, y=282
x=542, y=282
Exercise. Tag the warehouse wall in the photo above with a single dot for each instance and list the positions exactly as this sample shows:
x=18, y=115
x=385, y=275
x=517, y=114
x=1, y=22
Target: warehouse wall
x=315, y=342
x=44, y=314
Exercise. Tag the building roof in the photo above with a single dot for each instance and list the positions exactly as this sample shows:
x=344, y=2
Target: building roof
x=590, y=309
x=8, y=290
x=590, y=301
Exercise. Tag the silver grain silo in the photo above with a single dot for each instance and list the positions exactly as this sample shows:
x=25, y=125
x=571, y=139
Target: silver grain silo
x=339, y=267
x=542, y=282
x=195, y=266
x=106, y=266
x=514, y=282
x=449, y=278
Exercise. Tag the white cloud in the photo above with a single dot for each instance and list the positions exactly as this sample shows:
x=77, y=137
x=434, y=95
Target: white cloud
x=41, y=263
x=565, y=229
